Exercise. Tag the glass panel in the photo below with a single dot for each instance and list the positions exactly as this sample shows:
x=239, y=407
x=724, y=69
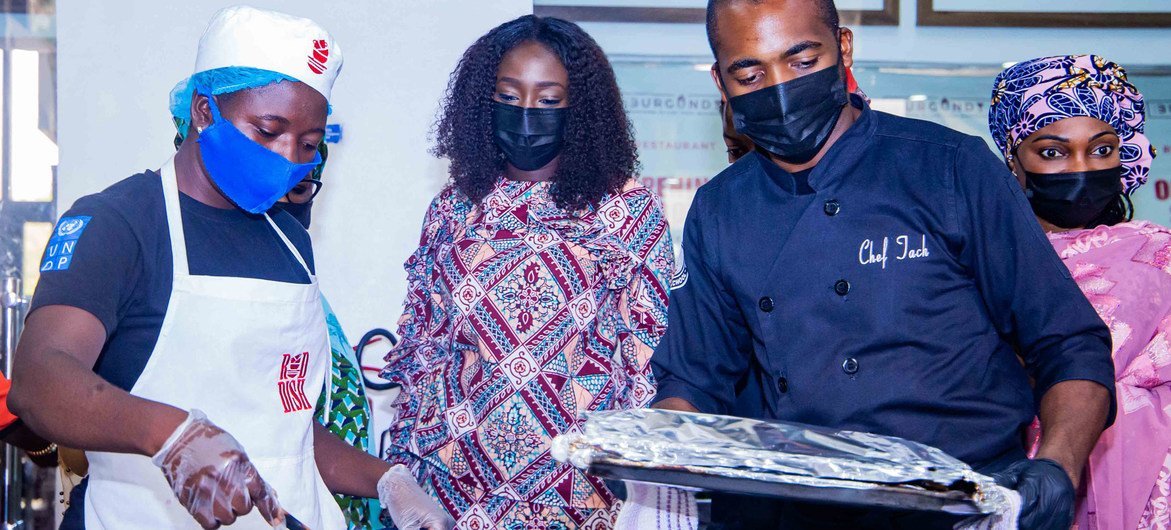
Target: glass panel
x=958, y=97
x=675, y=111
x=1153, y=201
x=33, y=152
x=35, y=237
x=674, y=107
x=697, y=4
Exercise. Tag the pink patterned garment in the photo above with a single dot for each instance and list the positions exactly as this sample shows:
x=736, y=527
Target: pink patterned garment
x=1125, y=271
x=519, y=317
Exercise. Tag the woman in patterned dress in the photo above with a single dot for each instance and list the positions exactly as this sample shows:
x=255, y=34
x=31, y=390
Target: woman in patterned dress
x=539, y=288
x=1071, y=128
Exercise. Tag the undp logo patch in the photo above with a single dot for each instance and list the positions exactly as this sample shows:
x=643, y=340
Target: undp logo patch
x=59, y=253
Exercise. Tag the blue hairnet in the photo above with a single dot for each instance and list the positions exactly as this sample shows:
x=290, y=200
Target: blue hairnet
x=216, y=82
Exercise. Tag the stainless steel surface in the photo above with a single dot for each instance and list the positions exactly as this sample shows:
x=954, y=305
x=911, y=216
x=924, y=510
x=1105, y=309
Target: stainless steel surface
x=13, y=317
x=777, y=459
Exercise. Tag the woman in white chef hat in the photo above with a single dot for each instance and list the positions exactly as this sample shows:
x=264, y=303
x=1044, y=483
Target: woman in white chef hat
x=177, y=332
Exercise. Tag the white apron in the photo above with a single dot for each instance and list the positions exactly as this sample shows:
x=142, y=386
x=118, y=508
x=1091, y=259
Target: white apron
x=253, y=355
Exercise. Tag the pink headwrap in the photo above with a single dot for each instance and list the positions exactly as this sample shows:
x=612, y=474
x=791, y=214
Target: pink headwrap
x=1033, y=94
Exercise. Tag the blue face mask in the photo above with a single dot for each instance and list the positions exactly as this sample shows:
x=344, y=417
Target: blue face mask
x=247, y=173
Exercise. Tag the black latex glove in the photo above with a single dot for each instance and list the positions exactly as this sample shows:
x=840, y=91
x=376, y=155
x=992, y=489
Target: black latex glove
x=1047, y=494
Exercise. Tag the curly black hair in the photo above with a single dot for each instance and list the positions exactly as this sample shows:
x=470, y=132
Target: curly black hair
x=598, y=155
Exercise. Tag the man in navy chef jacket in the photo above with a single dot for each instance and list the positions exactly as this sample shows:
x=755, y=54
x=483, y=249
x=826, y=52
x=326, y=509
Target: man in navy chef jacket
x=884, y=272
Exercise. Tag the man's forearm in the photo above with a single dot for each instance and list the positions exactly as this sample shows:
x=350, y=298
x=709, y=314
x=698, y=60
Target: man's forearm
x=344, y=468
x=1073, y=416
x=67, y=403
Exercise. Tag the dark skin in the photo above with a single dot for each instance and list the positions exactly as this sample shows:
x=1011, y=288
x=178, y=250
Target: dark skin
x=738, y=145
x=1070, y=145
x=766, y=44
x=58, y=393
x=286, y=118
x=19, y=435
x=531, y=76
x=773, y=42
x=1073, y=144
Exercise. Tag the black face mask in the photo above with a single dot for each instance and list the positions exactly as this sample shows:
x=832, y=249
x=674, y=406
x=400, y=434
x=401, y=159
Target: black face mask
x=530, y=138
x=1073, y=200
x=794, y=119
x=300, y=211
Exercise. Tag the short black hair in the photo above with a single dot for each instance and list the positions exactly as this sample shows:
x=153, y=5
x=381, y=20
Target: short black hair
x=599, y=155
x=826, y=8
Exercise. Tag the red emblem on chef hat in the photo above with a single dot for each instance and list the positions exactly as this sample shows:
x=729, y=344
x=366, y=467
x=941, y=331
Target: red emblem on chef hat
x=319, y=57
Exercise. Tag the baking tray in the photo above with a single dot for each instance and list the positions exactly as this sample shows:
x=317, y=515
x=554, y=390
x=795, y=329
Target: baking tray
x=775, y=459
x=885, y=496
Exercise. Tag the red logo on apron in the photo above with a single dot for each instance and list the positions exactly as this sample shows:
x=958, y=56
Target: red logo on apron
x=319, y=57
x=291, y=384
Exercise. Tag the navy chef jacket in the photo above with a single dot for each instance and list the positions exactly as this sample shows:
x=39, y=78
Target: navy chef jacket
x=891, y=294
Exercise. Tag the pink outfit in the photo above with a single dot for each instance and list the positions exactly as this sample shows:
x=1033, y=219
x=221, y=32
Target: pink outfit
x=1125, y=272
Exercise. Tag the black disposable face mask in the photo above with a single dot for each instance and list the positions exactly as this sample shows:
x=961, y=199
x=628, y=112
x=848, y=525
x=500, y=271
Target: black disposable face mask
x=1073, y=200
x=792, y=120
x=530, y=138
x=300, y=211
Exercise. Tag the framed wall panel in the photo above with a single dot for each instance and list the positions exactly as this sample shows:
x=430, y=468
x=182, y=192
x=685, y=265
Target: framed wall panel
x=1046, y=13
x=853, y=12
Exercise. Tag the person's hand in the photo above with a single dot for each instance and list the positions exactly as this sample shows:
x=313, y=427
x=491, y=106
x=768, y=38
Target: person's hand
x=212, y=476
x=410, y=507
x=1047, y=494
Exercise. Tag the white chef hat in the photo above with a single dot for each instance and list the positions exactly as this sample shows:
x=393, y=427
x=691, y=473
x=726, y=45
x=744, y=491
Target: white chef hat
x=243, y=36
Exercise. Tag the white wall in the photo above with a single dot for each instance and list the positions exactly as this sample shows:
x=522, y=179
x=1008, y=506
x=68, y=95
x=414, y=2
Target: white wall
x=119, y=59
x=908, y=43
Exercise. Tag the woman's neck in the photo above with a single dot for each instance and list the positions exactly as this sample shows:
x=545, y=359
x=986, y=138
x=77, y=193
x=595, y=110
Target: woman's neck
x=544, y=174
x=1051, y=228
x=193, y=178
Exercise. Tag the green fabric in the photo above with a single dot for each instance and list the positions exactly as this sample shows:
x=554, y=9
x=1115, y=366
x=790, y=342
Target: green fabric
x=347, y=415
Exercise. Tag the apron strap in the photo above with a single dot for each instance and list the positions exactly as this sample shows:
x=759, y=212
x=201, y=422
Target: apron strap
x=175, y=225
x=174, y=219
x=292, y=247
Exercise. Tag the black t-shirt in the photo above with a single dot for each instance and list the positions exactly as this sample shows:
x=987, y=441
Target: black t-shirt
x=110, y=255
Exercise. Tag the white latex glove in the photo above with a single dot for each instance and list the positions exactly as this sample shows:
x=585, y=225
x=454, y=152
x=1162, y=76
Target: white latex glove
x=648, y=506
x=409, y=506
x=212, y=476
x=1006, y=518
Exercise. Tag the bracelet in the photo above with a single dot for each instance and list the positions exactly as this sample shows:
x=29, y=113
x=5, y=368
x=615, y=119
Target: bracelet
x=48, y=449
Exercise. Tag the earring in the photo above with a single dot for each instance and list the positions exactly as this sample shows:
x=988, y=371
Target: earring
x=199, y=129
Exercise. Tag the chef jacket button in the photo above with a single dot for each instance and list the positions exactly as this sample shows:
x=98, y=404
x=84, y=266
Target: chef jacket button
x=842, y=287
x=766, y=304
x=850, y=366
x=783, y=384
x=832, y=207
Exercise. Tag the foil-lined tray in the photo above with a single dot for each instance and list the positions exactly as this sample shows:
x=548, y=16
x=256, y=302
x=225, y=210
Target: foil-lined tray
x=775, y=459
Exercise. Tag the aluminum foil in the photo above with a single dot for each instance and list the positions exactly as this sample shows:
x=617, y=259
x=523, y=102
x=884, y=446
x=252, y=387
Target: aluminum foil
x=776, y=452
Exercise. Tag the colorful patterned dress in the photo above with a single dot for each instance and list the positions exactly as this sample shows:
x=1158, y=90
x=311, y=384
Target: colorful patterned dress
x=347, y=415
x=1125, y=272
x=519, y=316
